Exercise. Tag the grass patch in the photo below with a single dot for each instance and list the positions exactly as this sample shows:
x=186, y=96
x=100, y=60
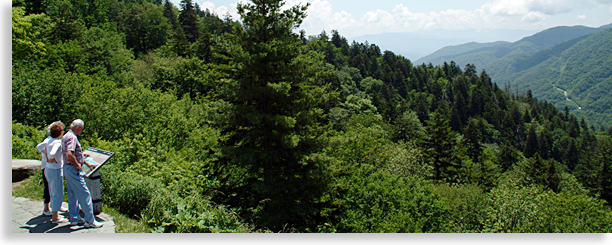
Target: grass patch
x=32, y=188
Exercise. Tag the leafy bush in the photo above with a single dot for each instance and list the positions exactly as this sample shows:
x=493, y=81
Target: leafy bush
x=168, y=212
x=24, y=141
x=128, y=192
x=381, y=202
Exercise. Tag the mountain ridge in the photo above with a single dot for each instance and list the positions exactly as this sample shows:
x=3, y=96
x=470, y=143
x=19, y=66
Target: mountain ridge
x=536, y=42
x=576, y=74
x=414, y=45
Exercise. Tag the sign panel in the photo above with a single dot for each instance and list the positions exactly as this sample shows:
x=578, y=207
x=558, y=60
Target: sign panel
x=96, y=156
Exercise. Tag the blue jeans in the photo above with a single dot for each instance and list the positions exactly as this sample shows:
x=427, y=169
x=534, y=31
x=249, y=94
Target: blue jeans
x=78, y=194
x=56, y=188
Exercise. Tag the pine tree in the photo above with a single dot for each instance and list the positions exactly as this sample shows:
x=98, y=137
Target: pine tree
x=440, y=149
x=605, y=173
x=473, y=136
x=188, y=19
x=276, y=115
x=178, y=42
x=170, y=15
x=508, y=156
x=531, y=145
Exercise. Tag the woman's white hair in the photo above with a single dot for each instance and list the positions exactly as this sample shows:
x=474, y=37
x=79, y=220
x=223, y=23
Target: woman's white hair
x=78, y=123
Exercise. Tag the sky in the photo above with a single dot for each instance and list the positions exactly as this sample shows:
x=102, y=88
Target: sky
x=354, y=18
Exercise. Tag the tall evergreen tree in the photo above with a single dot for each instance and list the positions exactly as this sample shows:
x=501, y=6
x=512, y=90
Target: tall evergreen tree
x=440, y=149
x=605, y=174
x=508, y=155
x=473, y=136
x=531, y=144
x=275, y=120
x=170, y=15
x=188, y=18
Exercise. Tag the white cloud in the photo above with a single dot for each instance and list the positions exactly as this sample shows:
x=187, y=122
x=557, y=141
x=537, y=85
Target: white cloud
x=401, y=19
x=533, y=10
x=581, y=17
x=507, y=7
x=220, y=11
x=534, y=16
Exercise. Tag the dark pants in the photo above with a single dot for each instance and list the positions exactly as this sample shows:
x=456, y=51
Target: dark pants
x=46, y=195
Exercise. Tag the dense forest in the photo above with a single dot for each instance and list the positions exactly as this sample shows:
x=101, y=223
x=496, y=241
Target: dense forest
x=564, y=65
x=250, y=125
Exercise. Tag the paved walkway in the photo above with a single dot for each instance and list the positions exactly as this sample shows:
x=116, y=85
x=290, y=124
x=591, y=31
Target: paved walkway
x=28, y=218
x=27, y=214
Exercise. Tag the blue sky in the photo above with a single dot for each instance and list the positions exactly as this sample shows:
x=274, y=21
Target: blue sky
x=360, y=17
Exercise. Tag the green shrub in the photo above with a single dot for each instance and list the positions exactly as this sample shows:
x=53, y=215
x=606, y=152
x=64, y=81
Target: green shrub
x=24, y=141
x=128, y=192
x=170, y=213
x=382, y=202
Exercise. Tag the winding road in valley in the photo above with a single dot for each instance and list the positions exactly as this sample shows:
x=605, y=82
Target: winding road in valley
x=567, y=98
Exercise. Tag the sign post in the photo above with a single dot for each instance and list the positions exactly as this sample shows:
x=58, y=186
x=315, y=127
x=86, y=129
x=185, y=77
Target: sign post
x=92, y=176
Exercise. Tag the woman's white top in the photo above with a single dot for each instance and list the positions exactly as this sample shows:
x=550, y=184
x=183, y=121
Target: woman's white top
x=54, y=150
x=42, y=147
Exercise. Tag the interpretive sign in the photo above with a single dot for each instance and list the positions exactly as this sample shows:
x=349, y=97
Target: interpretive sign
x=96, y=156
x=92, y=176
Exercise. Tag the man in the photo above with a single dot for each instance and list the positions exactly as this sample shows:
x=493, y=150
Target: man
x=78, y=194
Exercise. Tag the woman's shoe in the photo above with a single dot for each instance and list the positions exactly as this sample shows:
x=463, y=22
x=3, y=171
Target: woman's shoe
x=61, y=220
x=81, y=221
x=63, y=209
x=47, y=213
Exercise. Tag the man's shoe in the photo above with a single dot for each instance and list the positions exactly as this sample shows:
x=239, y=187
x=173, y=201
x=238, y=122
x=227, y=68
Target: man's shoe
x=93, y=225
x=63, y=209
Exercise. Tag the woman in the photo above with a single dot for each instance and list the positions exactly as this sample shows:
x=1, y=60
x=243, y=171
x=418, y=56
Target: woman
x=54, y=171
x=42, y=148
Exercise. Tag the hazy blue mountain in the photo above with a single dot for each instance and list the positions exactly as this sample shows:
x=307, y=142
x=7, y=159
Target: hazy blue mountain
x=414, y=45
x=450, y=52
x=536, y=42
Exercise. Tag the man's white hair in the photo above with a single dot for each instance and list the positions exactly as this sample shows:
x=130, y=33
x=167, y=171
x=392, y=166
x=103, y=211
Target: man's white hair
x=78, y=123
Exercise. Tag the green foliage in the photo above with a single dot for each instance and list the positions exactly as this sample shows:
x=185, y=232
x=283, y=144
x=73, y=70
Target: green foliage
x=569, y=213
x=170, y=213
x=145, y=28
x=24, y=141
x=376, y=202
x=28, y=32
x=466, y=207
x=128, y=192
x=278, y=95
x=442, y=150
x=39, y=97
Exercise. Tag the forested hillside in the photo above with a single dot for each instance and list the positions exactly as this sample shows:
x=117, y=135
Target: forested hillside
x=550, y=63
x=576, y=74
x=486, y=58
x=222, y=125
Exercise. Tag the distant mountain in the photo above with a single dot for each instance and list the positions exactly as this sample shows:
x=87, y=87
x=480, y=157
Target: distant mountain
x=414, y=45
x=443, y=54
x=576, y=73
x=539, y=41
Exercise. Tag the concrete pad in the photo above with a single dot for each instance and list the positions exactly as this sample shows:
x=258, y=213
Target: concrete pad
x=24, y=221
